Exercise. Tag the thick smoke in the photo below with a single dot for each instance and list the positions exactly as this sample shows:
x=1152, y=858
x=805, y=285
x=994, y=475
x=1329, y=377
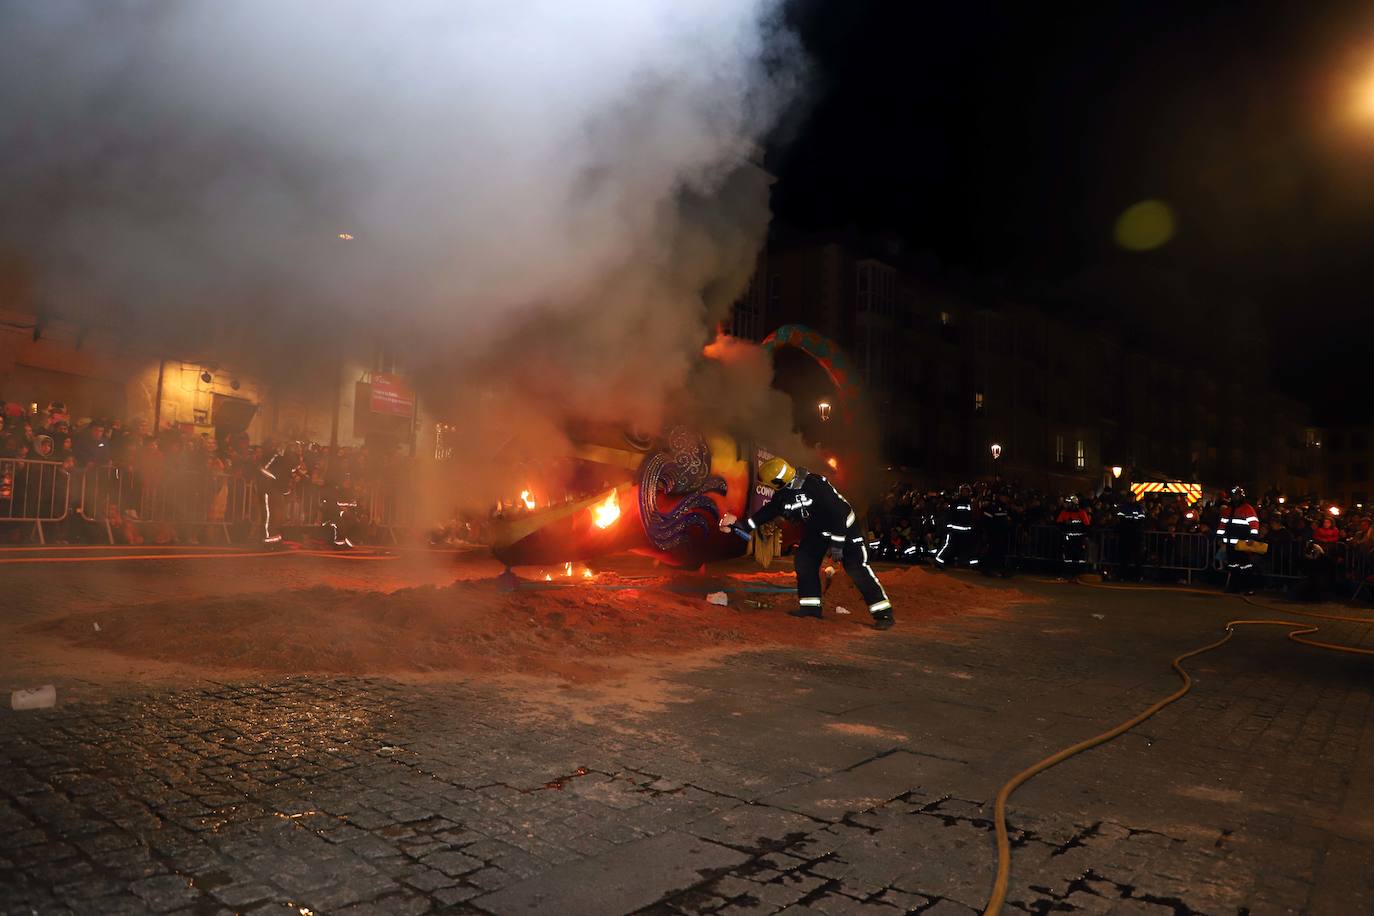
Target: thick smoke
x=551, y=203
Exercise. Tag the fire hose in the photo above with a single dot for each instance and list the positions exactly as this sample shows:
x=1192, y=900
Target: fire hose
x=1298, y=635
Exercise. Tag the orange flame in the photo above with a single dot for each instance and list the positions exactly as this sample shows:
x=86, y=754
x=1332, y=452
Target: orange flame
x=588, y=574
x=548, y=578
x=835, y=465
x=527, y=499
x=567, y=568
x=607, y=511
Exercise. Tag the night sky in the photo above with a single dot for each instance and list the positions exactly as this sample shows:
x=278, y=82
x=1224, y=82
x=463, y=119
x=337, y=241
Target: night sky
x=1006, y=142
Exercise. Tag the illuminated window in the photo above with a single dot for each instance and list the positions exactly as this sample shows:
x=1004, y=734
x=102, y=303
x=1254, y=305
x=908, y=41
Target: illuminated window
x=946, y=319
x=1080, y=459
x=978, y=401
x=1058, y=449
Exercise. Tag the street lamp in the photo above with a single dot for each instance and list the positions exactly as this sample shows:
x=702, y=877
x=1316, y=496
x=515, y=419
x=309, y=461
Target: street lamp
x=1116, y=471
x=996, y=451
x=824, y=408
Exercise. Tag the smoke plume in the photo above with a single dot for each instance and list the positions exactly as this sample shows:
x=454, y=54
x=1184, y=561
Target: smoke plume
x=550, y=204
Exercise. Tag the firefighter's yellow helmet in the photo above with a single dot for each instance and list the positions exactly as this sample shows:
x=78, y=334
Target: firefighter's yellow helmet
x=776, y=473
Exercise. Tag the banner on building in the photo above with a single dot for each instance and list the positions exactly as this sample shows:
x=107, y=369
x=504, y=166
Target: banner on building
x=390, y=396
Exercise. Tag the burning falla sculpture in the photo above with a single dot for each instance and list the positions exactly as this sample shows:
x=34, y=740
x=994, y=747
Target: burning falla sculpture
x=680, y=484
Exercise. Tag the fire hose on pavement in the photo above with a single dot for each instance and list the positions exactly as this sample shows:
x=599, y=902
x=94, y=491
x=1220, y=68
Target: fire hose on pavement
x=1298, y=634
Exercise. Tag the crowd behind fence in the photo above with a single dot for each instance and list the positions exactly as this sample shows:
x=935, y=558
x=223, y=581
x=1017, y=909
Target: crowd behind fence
x=49, y=502
x=1312, y=549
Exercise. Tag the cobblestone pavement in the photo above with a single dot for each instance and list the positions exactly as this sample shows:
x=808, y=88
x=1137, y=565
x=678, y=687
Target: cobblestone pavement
x=853, y=782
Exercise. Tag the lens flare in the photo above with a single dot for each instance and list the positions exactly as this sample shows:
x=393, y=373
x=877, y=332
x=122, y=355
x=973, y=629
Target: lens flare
x=1145, y=226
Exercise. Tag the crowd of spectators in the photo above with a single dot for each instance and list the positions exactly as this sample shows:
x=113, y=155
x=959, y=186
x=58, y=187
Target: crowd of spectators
x=148, y=464
x=1324, y=547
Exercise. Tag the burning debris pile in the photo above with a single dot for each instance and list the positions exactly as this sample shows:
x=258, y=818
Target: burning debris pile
x=578, y=631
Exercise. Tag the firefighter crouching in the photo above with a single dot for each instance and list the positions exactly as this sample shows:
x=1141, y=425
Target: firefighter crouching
x=340, y=514
x=829, y=526
x=1239, y=523
x=1073, y=521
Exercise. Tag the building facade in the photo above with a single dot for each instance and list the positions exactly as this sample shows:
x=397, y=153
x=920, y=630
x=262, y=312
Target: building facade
x=953, y=371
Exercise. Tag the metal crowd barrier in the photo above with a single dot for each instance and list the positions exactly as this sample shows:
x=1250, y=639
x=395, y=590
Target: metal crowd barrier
x=36, y=492
x=46, y=493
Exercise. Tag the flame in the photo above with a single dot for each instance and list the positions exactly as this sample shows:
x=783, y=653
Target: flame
x=567, y=568
x=607, y=511
x=834, y=465
x=588, y=574
x=548, y=578
x=528, y=500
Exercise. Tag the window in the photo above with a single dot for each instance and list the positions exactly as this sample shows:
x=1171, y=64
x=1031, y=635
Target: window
x=978, y=401
x=946, y=319
x=1080, y=458
x=875, y=288
x=1058, y=449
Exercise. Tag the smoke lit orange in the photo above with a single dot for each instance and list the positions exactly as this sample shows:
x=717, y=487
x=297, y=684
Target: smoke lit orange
x=607, y=511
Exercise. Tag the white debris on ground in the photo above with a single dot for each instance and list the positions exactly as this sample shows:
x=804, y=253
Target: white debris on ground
x=44, y=697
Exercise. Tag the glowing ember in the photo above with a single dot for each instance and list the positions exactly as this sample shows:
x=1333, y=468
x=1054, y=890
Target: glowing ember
x=607, y=511
x=527, y=499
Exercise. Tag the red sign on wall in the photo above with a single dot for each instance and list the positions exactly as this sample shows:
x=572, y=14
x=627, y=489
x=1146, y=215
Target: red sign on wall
x=390, y=396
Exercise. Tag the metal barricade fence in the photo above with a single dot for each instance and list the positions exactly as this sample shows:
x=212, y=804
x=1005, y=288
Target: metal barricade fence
x=36, y=492
x=48, y=493
x=1285, y=560
x=1185, y=552
x=383, y=506
x=207, y=501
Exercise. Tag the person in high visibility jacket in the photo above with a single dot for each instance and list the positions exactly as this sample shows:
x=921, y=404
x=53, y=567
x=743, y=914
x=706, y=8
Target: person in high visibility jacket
x=1073, y=521
x=959, y=531
x=1239, y=522
x=829, y=526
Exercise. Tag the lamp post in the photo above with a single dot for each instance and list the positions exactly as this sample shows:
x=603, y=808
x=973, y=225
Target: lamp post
x=823, y=408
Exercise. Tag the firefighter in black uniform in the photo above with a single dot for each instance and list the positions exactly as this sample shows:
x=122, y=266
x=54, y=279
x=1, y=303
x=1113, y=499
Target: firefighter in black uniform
x=959, y=533
x=829, y=526
x=997, y=524
x=1130, y=536
x=340, y=514
x=275, y=478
